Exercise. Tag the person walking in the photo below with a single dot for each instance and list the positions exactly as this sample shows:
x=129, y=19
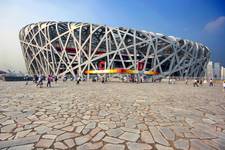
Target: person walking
x=122, y=78
x=56, y=79
x=35, y=79
x=186, y=81
x=211, y=82
x=137, y=79
x=64, y=78
x=195, y=83
x=40, y=81
x=142, y=79
x=49, y=80
x=174, y=80
x=200, y=82
x=78, y=80
x=26, y=78
x=103, y=80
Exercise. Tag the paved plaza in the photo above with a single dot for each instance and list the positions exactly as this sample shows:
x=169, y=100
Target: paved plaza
x=111, y=116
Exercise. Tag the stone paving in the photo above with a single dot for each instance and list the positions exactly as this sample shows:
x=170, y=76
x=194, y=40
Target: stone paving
x=111, y=116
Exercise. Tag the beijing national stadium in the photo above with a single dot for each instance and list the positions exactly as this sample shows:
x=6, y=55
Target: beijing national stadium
x=75, y=48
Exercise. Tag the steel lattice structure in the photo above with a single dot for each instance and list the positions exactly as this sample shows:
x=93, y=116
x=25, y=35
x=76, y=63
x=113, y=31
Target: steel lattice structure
x=63, y=48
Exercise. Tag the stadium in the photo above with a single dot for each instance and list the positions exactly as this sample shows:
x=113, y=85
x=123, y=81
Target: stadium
x=81, y=49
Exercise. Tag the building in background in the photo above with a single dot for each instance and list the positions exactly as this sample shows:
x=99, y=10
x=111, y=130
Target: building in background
x=210, y=71
x=73, y=48
x=217, y=71
x=222, y=73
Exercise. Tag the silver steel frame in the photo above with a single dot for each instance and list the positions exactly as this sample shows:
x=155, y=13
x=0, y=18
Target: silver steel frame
x=63, y=48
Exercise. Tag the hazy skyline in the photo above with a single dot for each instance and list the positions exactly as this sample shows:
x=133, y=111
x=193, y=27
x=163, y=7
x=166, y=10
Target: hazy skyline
x=202, y=21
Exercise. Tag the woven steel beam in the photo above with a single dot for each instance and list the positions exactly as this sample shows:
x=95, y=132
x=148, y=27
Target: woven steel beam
x=62, y=48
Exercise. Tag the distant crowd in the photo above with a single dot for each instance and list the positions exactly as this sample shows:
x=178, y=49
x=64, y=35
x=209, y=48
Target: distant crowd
x=39, y=80
x=200, y=82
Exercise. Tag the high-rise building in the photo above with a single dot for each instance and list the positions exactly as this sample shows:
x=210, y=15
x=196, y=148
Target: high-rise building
x=217, y=71
x=209, y=72
x=222, y=73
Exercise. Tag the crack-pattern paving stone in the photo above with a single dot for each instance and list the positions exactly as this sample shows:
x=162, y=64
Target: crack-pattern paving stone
x=21, y=141
x=68, y=128
x=138, y=146
x=113, y=147
x=22, y=147
x=8, y=128
x=44, y=143
x=99, y=136
x=162, y=147
x=168, y=133
x=55, y=132
x=70, y=143
x=130, y=136
x=215, y=143
x=77, y=124
x=22, y=133
x=103, y=126
x=4, y=136
x=95, y=131
x=158, y=137
x=91, y=125
x=79, y=129
x=49, y=136
x=181, y=144
x=147, y=137
x=130, y=130
x=8, y=122
x=204, y=134
x=82, y=139
x=90, y=146
x=42, y=129
x=165, y=117
x=197, y=144
x=60, y=145
x=114, y=132
x=66, y=136
x=112, y=140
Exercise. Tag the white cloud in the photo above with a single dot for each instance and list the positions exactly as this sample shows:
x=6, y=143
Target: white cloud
x=215, y=25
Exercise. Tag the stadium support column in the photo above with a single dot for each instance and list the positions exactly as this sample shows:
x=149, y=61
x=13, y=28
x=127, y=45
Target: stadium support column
x=89, y=51
x=135, y=52
x=147, y=56
x=108, y=48
x=79, y=62
x=79, y=52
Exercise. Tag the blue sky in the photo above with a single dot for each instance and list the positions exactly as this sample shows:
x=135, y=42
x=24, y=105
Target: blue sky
x=198, y=20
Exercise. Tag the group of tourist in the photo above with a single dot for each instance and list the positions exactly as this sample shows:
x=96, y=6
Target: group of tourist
x=77, y=79
x=133, y=79
x=198, y=83
x=39, y=79
x=102, y=79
